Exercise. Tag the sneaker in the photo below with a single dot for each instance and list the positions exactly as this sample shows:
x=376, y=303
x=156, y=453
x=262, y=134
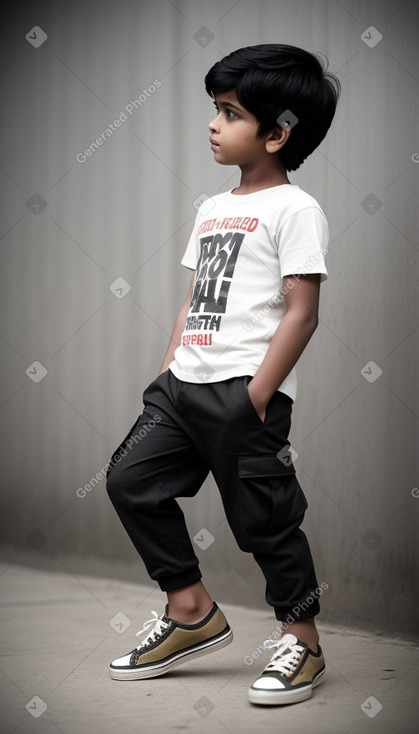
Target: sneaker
x=291, y=675
x=170, y=643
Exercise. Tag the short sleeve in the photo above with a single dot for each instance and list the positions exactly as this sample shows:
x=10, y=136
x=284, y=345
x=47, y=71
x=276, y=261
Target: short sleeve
x=191, y=256
x=303, y=242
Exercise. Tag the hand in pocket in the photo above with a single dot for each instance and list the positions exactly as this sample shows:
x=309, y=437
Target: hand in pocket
x=260, y=407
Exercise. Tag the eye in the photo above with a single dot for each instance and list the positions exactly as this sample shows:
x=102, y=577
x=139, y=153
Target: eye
x=230, y=115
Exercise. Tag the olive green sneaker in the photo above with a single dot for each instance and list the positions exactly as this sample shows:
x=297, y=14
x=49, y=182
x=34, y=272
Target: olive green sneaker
x=290, y=676
x=170, y=643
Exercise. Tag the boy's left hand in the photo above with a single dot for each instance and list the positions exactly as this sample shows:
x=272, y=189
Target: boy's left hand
x=259, y=406
x=291, y=337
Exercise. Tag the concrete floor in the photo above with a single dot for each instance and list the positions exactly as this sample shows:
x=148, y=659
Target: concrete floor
x=60, y=631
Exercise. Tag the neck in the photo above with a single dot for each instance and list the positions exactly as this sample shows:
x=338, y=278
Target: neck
x=255, y=180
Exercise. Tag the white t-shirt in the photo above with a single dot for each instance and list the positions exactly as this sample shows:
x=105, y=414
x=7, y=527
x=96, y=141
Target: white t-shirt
x=242, y=248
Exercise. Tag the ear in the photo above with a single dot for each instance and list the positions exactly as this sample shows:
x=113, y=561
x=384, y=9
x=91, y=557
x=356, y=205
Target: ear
x=276, y=139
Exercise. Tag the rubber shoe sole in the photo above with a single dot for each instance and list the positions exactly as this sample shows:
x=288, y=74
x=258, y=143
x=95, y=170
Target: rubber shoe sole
x=164, y=666
x=277, y=698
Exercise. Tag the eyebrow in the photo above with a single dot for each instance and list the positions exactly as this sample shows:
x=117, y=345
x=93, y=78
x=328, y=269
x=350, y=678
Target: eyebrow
x=228, y=104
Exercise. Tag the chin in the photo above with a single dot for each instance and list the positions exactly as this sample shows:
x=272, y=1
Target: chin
x=223, y=161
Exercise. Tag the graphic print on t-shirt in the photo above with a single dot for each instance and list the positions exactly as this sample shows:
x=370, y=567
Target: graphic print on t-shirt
x=214, y=275
x=238, y=294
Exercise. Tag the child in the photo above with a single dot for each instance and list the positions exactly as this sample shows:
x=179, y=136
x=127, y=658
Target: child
x=222, y=401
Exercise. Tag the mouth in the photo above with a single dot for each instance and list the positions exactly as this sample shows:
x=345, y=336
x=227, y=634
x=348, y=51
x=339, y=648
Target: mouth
x=214, y=143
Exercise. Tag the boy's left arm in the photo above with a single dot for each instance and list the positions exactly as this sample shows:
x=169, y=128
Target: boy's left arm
x=289, y=341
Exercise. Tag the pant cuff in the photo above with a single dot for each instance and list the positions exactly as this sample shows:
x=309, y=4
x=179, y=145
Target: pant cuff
x=297, y=613
x=171, y=583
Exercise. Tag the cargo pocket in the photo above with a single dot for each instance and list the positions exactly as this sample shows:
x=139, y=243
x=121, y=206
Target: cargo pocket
x=270, y=497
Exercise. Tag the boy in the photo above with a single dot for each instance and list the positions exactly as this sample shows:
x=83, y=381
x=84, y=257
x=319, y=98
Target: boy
x=222, y=401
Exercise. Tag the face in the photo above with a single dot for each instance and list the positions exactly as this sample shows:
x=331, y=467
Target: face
x=233, y=136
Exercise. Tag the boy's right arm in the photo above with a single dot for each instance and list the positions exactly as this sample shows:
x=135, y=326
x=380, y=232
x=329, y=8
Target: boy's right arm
x=178, y=328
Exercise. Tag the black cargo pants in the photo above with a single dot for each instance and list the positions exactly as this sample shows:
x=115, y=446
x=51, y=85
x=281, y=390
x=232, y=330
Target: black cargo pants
x=187, y=430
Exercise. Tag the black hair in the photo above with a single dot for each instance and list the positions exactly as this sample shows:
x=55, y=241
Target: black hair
x=270, y=79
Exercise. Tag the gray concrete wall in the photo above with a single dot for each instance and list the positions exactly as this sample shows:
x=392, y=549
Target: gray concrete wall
x=70, y=229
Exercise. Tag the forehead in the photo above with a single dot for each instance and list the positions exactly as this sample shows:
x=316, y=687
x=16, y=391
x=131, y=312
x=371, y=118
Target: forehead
x=229, y=97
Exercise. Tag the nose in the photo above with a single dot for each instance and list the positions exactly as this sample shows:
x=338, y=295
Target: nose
x=214, y=124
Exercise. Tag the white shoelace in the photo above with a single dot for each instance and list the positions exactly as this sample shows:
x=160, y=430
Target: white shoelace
x=158, y=627
x=287, y=656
